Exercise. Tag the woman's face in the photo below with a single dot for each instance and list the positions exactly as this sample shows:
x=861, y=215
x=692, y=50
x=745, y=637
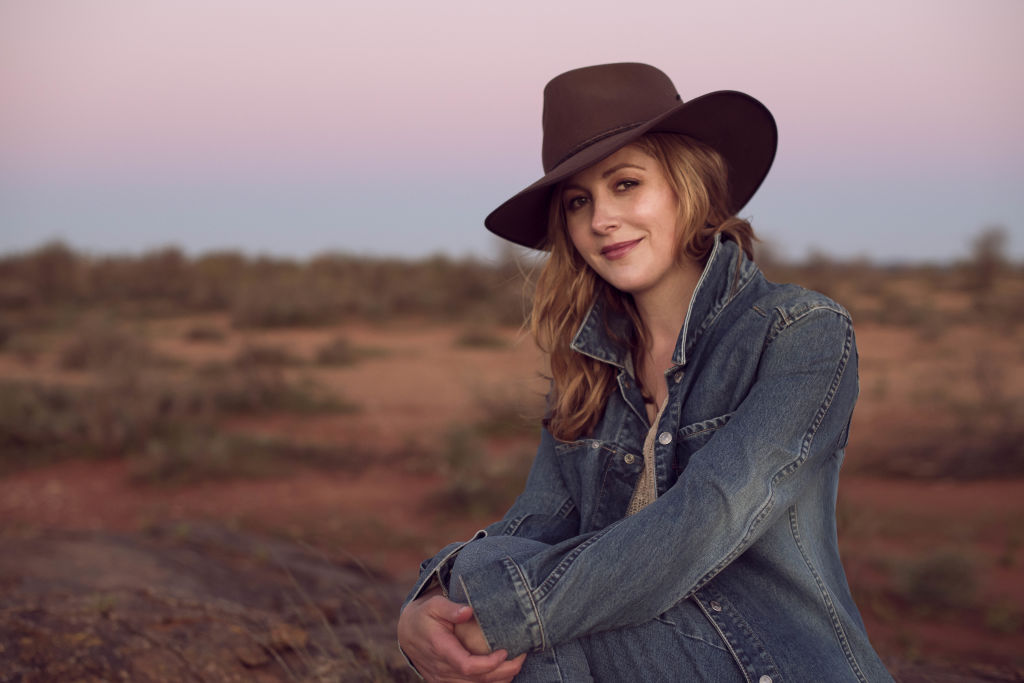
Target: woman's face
x=623, y=219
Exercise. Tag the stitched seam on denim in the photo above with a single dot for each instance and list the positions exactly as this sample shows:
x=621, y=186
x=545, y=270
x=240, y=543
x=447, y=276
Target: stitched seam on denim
x=436, y=571
x=823, y=409
x=791, y=467
x=712, y=315
x=703, y=426
x=762, y=651
x=578, y=147
x=585, y=330
x=549, y=583
x=837, y=625
x=516, y=570
x=465, y=591
x=789, y=316
x=567, y=508
x=717, y=646
x=513, y=525
x=596, y=508
x=725, y=639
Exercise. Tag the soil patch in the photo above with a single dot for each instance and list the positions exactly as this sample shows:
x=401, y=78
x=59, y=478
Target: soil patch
x=196, y=603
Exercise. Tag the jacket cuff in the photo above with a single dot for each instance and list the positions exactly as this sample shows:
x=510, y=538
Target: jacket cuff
x=435, y=572
x=438, y=570
x=504, y=607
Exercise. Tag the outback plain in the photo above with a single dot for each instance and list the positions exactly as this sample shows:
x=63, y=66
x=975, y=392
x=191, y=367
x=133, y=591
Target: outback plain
x=229, y=468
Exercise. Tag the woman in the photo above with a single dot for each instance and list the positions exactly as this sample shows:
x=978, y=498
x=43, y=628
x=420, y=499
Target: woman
x=679, y=520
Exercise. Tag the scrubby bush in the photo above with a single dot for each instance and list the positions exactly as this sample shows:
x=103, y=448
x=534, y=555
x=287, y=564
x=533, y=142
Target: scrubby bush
x=266, y=292
x=941, y=580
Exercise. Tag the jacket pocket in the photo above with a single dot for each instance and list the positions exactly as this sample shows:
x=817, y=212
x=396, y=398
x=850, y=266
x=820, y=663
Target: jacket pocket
x=600, y=476
x=692, y=437
x=552, y=527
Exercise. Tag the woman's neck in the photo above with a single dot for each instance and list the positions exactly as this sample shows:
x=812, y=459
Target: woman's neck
x=662, y=311
x=664, y=308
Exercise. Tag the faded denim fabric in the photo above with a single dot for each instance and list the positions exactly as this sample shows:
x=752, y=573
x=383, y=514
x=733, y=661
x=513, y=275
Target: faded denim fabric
x=740, y=546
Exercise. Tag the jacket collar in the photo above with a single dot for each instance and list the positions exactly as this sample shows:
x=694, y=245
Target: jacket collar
x=727, y=272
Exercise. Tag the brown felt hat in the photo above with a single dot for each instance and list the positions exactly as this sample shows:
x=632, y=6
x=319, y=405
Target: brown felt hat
x=591, y=113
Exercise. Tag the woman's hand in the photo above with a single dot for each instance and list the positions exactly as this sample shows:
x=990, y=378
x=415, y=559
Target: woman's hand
x=427, y=634
x=472, y=637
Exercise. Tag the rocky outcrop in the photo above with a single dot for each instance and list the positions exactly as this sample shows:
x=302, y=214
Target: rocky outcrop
x=190, y=603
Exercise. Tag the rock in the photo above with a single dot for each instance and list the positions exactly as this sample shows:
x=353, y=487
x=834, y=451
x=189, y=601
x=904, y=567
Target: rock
x=206, y=605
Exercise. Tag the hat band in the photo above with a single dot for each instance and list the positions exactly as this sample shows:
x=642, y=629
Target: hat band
x=596, y=138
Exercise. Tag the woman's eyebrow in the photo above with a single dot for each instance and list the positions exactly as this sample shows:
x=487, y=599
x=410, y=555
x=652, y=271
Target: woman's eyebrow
x=619, y=167
x=610, y=171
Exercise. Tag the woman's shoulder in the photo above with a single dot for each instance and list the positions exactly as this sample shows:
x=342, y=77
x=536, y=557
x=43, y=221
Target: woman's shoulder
x=790, y=302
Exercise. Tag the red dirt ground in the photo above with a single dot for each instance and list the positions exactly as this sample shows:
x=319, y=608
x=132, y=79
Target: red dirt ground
x=422, y=383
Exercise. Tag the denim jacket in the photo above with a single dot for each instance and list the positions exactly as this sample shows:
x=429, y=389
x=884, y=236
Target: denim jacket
x=747, y=460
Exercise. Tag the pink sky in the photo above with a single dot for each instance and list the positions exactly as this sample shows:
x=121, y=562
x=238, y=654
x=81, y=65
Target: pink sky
x=893, y=94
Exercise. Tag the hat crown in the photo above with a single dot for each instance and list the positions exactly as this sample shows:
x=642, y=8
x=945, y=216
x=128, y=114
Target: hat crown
x=585, y=105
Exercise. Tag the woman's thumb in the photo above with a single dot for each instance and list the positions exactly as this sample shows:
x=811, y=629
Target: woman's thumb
x=460, y=613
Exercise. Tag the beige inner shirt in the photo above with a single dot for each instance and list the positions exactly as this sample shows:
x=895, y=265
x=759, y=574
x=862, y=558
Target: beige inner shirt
x=646, y=488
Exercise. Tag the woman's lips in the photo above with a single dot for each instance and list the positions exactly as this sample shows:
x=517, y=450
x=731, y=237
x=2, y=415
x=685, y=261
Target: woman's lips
x=616, y=251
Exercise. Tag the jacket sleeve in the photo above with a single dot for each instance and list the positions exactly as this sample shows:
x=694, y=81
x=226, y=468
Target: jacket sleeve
x=544, y=512
x=793, y=423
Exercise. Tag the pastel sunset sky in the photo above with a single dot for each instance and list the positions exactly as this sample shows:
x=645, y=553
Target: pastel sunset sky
x=392, y=128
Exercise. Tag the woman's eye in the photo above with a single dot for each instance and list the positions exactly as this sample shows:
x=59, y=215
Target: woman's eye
x=575, y=203
x=625, y=184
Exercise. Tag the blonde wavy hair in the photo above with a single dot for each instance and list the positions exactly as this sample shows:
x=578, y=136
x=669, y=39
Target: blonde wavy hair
x=567, y=287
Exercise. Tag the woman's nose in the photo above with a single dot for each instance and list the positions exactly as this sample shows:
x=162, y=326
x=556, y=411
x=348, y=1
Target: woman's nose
x=604, y=218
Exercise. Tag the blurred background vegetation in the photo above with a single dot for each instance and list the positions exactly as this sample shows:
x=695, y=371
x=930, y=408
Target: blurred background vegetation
x=227, y=368
x=87, y=313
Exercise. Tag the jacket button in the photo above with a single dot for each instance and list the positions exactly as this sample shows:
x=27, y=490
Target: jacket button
x=764, y=679
x=679, y=377
x=629, y=458
x=664, y=438
x=716, y=606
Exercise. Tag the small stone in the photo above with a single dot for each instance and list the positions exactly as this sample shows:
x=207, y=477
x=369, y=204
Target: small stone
x=285, y=636
x=252, y=656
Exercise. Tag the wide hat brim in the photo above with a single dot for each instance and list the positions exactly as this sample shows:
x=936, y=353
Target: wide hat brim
x=735, y=124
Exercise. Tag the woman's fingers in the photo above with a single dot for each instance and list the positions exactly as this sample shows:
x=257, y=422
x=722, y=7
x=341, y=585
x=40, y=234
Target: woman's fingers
x=427, y=635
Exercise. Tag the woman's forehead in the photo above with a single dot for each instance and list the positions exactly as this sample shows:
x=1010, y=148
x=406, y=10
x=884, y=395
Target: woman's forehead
x=629, y=156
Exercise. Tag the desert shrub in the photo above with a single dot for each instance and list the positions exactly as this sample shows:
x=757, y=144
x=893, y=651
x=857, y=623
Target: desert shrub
x=478, y=337
x=1004, y=618
x=205, y=333
x=943, y=579
x=54, y=273
x=341, y=351
x=191, y=452
x=38, y=424
x=216, y=276
x=338, y=351
x=252, y=389
x=197, y=453
x=43, y=423
x=262, y=355
x=478, y=484
x=988, y=259
x=99, y=344
x=267, y=292
x=280, y=302
x=899, y=310
x=131, y=410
